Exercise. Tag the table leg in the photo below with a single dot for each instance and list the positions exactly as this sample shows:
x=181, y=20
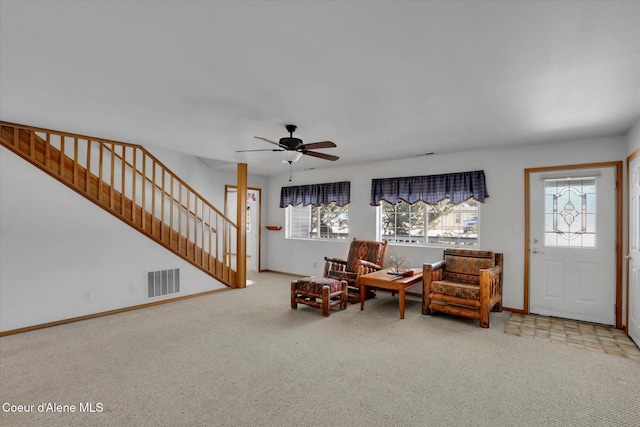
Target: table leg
x=363, y=290
x=401, y=299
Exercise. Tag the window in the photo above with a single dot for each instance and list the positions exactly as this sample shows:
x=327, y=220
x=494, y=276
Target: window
x=443, y=224
x=317, y=222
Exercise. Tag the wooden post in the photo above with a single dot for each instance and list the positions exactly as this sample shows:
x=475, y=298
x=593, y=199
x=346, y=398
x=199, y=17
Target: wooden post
x=241, y=241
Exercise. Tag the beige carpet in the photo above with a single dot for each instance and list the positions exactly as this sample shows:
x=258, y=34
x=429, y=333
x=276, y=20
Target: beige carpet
x=244, y=358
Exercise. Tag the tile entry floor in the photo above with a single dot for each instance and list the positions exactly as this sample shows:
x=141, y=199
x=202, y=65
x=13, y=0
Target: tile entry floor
x=572, y=333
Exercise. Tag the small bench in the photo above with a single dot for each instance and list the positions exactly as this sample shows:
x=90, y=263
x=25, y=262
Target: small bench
x=308, y=290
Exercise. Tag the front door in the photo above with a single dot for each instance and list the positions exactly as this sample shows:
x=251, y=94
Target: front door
x=634, y=250
x=572, y=244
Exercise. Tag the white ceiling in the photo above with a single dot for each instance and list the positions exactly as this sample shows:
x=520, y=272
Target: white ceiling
x=380, y=79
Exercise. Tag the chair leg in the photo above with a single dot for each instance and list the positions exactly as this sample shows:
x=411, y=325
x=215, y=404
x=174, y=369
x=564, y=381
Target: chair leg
x=484, y=316
x=426, y=301
x=325, y=301
x=498, y=307
x=294, y=304
x=343, y=297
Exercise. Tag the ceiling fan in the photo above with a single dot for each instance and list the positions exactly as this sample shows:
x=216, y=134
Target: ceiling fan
x=294, y=147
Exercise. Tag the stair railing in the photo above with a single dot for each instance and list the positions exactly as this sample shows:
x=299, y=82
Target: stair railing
x=129, y=182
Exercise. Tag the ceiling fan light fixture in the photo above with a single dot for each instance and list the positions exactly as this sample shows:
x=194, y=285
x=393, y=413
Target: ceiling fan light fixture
x=291, y=156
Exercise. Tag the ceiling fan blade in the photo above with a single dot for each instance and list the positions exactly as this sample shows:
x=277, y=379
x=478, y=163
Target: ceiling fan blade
x=315, y=145
x=266, y=149
x=269, y=141
x=322, y=156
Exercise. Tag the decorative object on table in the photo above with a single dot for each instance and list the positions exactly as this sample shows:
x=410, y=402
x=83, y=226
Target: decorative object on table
x=398, y=264
x=466, y=283
x=274, y=227
x=365, y=256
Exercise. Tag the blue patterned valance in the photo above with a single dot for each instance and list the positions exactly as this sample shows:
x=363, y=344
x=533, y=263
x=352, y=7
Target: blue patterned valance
x=316, y=194
x=430, y=189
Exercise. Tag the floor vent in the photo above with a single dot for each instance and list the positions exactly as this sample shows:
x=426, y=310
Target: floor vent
x=163, y=282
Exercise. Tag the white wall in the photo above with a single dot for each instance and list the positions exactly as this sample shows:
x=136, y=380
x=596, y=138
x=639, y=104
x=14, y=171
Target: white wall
x=63, y=257
x=501, y=217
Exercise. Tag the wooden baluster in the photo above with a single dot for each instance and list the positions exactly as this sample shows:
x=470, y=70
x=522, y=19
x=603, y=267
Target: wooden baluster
x=123, y=168
x=134, y=179
x=210, y=250
x=188, y=213
x=47, y=152
x=144, y=188
x=202, y=234
x=61, y=162
x=153, y=195
x=87, y=184
x=162, y=194
x=75, y=161
x=32, y=144
x=180, y=217
x=112, y=181
x=171, y=207
x=100, y=166
x=195, y=225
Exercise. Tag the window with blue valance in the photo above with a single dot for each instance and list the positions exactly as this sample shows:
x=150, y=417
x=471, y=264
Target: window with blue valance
x=316, y=194
x=431, y=189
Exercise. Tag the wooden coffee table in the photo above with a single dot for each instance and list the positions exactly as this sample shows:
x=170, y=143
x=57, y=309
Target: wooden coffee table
x=383, y=280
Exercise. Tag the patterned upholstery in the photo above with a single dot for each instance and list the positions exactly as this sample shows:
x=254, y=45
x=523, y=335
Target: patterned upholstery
x=461, y=290
x=314, y=284
x=367, y=250
x=464, y=266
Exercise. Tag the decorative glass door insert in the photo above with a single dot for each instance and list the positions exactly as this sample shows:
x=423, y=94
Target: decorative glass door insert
x=570, y=212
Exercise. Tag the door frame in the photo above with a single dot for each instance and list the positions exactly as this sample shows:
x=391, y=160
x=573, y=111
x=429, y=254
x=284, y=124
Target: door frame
x=227, y=187
x=618, y=237
x=631, y=157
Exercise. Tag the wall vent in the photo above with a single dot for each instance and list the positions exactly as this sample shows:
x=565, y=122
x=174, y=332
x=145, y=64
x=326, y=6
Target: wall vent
x=163, y=282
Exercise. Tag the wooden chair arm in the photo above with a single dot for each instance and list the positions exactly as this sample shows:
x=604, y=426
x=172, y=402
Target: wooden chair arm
x=490, y=283
x=335, y=260
x=333, y=264
x=493, y=270
x=435, y=265
x=369, y=265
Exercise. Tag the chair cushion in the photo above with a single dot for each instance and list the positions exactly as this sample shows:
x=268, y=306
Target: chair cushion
x=455, y=289
x=314, y=284
x=364, y=249
x=465, y=265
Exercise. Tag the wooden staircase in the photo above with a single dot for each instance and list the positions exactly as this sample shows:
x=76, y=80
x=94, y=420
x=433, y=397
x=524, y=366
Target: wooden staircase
x=130, y=183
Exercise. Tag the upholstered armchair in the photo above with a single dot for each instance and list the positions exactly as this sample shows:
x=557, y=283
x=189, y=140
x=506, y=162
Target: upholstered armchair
x=466, y=283
x=365, y=256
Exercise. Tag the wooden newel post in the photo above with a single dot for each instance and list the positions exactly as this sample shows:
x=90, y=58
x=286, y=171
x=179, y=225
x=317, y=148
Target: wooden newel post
x=241, y=259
